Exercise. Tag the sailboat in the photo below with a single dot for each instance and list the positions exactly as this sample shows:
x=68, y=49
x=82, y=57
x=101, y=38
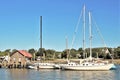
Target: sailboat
x=88, y=63
x=41, y=65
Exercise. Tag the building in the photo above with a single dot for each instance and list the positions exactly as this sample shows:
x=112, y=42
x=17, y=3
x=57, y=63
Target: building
x=19, y=58
x=5, y=60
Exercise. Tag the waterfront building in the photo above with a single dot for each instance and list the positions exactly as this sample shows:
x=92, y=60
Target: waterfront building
x=19, y=58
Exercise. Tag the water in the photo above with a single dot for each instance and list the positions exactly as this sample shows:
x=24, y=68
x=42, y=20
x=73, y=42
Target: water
x=27, y=74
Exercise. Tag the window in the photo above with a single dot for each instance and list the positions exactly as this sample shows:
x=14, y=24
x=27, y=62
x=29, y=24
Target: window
x=14, y=59
x=19, y=59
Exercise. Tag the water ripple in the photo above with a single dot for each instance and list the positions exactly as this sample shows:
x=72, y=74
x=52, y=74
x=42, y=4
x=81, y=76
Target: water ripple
x=25, y=74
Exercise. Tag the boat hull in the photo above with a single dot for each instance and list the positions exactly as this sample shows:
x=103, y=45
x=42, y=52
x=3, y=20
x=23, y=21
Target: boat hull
x=32, y=67
x=45, y=65
x=88, y=68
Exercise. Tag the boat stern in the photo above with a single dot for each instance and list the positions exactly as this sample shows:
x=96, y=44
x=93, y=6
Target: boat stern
x=113, y=67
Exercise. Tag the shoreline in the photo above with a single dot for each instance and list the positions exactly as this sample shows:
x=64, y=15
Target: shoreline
x=115, y=61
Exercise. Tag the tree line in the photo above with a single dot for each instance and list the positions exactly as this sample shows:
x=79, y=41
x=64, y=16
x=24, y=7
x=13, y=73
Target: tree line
x=73, y=53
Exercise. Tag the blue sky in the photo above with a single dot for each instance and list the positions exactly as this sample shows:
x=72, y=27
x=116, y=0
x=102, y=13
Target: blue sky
x=20, y=21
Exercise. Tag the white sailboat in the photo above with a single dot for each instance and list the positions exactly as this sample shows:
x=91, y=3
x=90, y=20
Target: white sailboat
x=89, y=63
x=41, y=65
x=45, y=65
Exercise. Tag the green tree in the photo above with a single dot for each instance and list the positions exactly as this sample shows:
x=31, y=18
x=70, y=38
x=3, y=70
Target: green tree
x=32, y=51
x=50, y=53
x=7, y=50
x=40, y=52
x=64, y=54
x=73, y=53
x=14, y=50
x=58, y=54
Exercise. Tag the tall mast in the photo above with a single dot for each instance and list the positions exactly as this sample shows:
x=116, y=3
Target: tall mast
x=84, y=31
x=67, y=47
x=41, y=35
x=41, y=52
x=90, y=32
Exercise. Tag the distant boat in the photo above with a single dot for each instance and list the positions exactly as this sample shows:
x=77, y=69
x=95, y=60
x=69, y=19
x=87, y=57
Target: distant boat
x=88, y=63
x=32, y=66
x=45, y=65
x=40, y=65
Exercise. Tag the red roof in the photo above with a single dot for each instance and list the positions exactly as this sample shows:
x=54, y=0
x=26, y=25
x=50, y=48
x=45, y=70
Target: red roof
x=25, y=53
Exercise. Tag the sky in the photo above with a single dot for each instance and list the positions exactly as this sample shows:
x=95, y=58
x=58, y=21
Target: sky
x=20, y=23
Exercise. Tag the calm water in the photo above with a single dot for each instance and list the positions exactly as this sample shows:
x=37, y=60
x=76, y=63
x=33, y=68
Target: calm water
x=25, y=74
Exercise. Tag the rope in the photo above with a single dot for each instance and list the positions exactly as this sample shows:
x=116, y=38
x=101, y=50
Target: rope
x=98, y=30
x=74, y=35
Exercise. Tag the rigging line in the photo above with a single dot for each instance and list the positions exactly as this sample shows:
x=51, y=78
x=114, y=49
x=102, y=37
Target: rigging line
x=98, y=30
x=74, y=35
